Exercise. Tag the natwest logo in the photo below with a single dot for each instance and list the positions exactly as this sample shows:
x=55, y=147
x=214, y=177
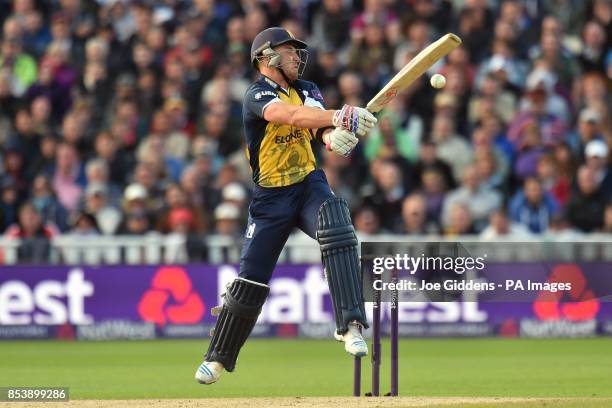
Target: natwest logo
x=171, y=299
x=49, y=302
x=577, y=304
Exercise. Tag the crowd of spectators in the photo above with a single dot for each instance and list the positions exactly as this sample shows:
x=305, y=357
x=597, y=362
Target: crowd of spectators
x=125, y=116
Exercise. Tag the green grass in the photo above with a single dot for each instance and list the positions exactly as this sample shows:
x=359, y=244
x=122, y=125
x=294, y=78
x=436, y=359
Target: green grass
x=447, y=367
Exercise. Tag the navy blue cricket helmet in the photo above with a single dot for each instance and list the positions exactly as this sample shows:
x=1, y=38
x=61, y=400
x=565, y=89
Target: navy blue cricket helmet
x=270, y=38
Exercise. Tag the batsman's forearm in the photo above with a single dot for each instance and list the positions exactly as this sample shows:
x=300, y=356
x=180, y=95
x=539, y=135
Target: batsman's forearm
x=311, y=118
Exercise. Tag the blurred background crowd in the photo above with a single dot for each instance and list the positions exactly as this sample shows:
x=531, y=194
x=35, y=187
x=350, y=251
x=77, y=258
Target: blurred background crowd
x=124, y=117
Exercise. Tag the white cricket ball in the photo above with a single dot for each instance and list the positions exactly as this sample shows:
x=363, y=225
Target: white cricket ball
x=437, y=81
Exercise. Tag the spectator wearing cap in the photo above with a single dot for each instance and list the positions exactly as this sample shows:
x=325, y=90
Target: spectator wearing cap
x=503, y=66
x=135, y=196
x=552, y=128
x=542, y=80
x=20, y=65
x=585, y=209
x=227, y=220
x=533, y=207
x=182, y=228
x=35, y=236
x=588, y=128
x=235, y=193
x=98, y=204
x=597, y=156
x=479, y=199
x=44, y=200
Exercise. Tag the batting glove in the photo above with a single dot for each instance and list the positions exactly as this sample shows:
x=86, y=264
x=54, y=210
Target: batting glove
x=341, y=141
x=354, y=119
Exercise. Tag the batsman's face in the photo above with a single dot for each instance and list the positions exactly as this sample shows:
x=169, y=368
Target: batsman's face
x=290, y=60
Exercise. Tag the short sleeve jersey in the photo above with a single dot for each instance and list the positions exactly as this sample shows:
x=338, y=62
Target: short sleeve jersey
x=279, y=155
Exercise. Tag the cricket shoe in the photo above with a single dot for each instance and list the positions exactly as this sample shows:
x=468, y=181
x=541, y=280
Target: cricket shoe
x=209, y=372
x=353, y=340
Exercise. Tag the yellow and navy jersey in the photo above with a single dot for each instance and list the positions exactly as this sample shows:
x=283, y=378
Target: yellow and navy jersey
x=279, y=155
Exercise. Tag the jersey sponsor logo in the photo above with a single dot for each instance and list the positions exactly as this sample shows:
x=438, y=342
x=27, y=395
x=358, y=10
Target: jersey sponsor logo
x=258, y=95
x=290, y=138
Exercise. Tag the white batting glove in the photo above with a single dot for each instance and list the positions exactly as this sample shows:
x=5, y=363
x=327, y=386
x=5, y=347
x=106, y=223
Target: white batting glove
x=354, y=119
x=341, y=141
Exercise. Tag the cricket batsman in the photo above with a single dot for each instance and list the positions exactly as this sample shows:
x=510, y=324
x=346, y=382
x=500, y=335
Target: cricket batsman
x=282, y=116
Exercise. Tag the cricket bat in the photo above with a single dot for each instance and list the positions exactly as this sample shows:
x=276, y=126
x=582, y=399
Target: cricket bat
x=414, y=69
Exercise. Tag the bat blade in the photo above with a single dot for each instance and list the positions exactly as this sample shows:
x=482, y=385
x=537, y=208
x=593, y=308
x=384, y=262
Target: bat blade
x=414, y=69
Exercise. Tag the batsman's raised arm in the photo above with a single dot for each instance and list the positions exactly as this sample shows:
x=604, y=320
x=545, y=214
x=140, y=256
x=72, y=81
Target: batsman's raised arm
x=299, y=116
x=351, y=118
